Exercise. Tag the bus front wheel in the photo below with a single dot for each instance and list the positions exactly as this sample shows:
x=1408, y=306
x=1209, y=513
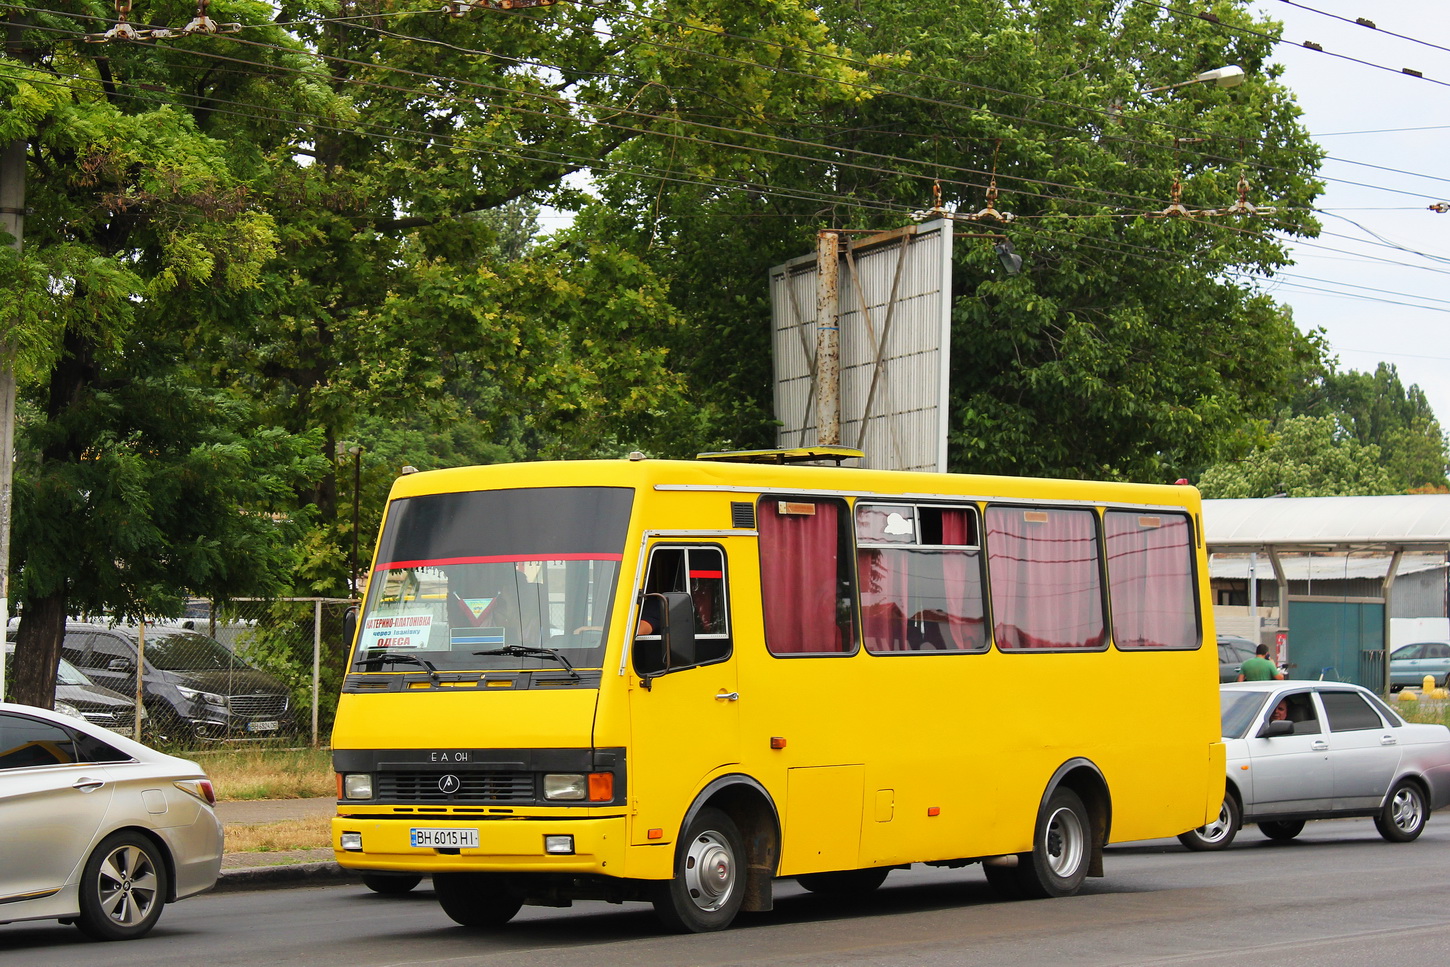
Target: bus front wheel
x=476, y=899
x=1060, y=849
x=709, y=882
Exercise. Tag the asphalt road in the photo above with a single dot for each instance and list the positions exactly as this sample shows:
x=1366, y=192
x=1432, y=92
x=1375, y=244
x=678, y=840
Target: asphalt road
x=1337, y=896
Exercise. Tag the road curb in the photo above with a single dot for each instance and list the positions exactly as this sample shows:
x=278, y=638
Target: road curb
x=287, y=875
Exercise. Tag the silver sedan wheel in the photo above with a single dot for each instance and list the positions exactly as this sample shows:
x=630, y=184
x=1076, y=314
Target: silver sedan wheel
x=123, y=888
x=128, y=885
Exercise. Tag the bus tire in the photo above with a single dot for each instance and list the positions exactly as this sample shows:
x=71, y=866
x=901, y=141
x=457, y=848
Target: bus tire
x=1003, y=879
x=1061, y=848
x=709, y=882
x=476, y=899
x=1217, y=834
x=1281, y=830
x=390, y=883
x=845, y=884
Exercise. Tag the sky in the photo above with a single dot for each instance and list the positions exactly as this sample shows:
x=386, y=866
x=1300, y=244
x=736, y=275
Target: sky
x=1366, y=116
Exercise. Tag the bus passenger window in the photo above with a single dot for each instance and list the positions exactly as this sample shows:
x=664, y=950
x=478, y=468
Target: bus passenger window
x=920, y=575
x=1150, y=580
x=807, y=576
x=700, y=572
x=1046, y=580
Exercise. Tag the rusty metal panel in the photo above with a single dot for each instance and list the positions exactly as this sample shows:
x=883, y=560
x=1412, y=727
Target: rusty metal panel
x=895, y=324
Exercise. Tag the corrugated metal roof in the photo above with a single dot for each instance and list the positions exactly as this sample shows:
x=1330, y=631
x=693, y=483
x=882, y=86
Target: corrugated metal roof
x=1417, y=521
x=1322, y=567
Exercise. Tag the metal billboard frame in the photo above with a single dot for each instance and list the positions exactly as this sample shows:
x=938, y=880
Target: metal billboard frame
x=894, y=322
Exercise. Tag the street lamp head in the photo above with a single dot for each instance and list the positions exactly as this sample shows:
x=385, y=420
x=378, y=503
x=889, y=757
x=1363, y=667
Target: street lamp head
x=1229, y=76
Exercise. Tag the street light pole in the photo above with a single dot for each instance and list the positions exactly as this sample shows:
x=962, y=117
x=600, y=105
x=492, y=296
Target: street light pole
x=12, y=223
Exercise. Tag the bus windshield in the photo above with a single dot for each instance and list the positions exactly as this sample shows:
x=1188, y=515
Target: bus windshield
x=492, y=580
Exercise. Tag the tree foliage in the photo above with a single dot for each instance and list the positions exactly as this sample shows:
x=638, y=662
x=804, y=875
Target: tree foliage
x=1131, y=345
x=1308, y=456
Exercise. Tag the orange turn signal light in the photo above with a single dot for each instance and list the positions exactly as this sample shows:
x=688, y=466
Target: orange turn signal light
x=777, y=742
x=655, y=834
x=601, y=786
x=933, y=810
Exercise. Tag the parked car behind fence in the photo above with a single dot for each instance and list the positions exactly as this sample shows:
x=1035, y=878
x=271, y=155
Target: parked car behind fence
x=192, y=685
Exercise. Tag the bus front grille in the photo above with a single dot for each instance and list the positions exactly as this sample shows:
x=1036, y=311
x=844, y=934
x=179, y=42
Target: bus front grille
x=471, y=786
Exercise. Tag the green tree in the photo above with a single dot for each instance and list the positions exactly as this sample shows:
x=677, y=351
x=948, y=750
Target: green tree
x=1378, y=409
x=1307, y=456
x=1130, y=346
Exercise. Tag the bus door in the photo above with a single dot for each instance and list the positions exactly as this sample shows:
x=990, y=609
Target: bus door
x=684, y=712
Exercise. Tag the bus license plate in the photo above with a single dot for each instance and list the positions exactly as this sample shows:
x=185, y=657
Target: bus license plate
x=261, y=726
x=443, y=838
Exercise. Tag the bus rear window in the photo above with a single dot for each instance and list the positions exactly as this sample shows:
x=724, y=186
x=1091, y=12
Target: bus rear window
x=1150, y=580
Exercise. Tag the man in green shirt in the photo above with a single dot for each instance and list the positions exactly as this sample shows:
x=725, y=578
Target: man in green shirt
x=1259, y=668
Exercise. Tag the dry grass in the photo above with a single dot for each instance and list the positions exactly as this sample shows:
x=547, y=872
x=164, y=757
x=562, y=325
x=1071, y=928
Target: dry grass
x=259, y=772
x=314, y=833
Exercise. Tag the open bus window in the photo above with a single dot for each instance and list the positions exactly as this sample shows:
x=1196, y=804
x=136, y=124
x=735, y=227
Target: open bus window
x=698, y=571
x=919, y=569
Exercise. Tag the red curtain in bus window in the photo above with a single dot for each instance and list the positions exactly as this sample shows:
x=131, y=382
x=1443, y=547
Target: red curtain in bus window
x=1150, y=580
x=1043, y=571
x=799, y=558
x=961, y=579
x=882, y=575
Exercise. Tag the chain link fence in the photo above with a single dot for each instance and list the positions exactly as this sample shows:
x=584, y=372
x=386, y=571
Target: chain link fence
x=299, y=641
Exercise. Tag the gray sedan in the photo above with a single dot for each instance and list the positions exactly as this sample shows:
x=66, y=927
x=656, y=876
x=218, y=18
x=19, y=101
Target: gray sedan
x=1320, y=750
x=97, y=830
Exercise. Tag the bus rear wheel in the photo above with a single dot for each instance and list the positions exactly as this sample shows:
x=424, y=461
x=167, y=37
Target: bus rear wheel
x=476, y=899
x=1061, y=847
x=709, y=882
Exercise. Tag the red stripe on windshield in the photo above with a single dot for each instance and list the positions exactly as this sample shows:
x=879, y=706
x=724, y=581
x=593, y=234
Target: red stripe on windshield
x=496, y=559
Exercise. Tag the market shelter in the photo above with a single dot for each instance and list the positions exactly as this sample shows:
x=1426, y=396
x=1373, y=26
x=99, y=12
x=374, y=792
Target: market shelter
x=1321, y=577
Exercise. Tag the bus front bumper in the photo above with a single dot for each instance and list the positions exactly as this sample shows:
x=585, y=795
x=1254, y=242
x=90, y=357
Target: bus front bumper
x=512, y=845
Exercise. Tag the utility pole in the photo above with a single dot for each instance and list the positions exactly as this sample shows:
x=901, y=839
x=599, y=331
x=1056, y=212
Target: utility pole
x=828, y=340
x=12, y=222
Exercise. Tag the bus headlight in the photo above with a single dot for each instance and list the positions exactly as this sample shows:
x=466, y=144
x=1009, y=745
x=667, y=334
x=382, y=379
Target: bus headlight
x=357, y=785
x=595, y=787
x=561, y=786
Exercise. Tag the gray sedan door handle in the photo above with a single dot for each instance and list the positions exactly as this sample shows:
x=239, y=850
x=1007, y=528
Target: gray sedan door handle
x=1387, y=740
x=88, y=785
x=1320, y=746
x=728, y=697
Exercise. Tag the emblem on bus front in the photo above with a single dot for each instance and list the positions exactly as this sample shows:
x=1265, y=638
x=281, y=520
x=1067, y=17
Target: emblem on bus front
x=449, y=784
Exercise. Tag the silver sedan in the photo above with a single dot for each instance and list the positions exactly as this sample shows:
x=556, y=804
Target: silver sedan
x=1320, y=750
x=97, y=830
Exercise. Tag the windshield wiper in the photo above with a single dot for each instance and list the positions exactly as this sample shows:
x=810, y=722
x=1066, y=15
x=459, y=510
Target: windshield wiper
x=524, y=651
x=400, y=658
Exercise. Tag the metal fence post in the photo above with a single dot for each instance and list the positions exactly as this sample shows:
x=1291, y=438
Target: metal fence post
x=316, y=664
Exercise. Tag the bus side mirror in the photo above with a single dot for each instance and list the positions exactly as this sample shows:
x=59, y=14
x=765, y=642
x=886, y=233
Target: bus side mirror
x=349, y=627
x=675, y=647
x=679, y=630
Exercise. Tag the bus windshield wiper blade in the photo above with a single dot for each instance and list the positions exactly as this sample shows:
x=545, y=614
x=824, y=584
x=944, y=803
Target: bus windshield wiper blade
x=525, y=651
x=400, y=658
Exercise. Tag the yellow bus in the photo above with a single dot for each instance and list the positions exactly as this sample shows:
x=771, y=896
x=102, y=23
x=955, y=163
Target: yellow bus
x=676, y=681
